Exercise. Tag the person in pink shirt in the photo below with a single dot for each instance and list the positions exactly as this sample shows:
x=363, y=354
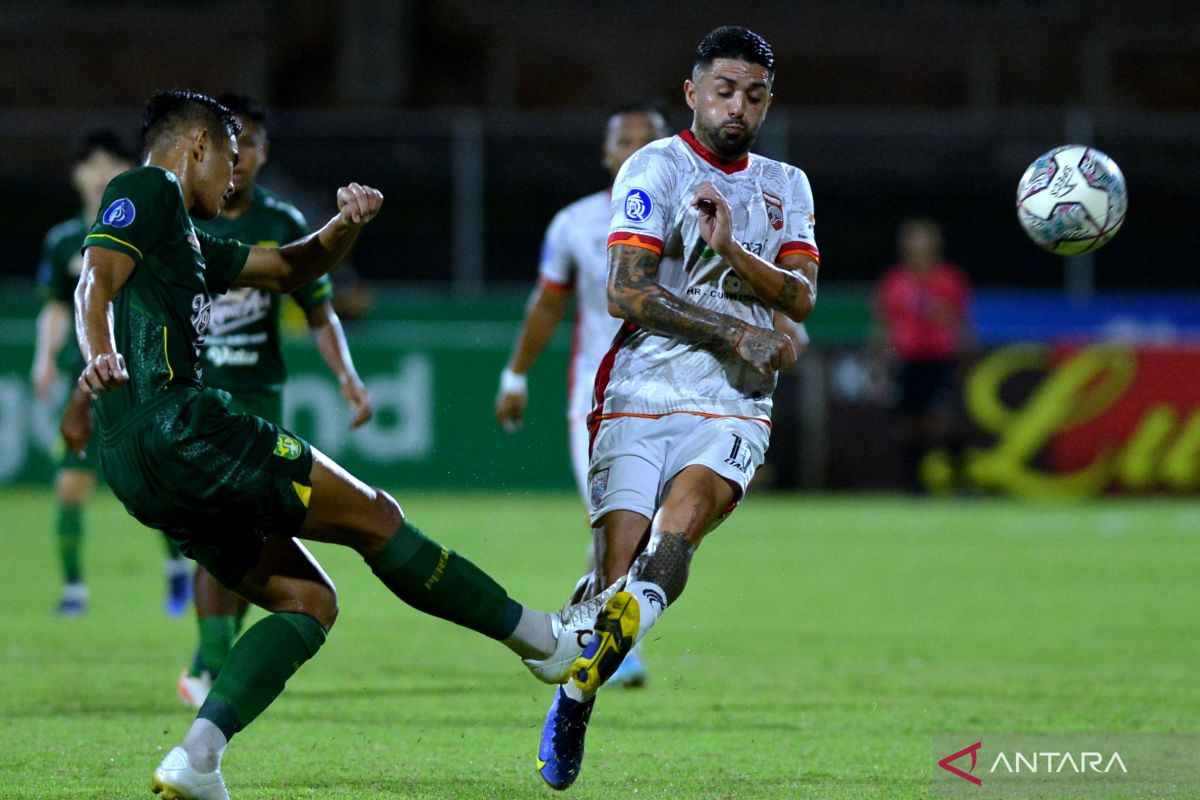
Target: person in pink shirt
x=924, y=306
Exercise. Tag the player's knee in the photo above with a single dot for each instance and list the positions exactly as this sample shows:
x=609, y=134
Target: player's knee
x=72, y=489
x=391, y=516
x=322, y=605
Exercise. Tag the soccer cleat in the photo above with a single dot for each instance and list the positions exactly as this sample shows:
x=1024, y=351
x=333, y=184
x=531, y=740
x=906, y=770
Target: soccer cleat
x=560, y=752
x=193, y=690
x=616, y=630
x=176, y=780
x=179, y=593
x=571, y=626
x=73, y=602
x=632, y=672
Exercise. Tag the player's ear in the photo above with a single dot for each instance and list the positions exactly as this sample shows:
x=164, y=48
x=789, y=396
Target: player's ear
x=689, y=93
x=200, y=143
x=266, y=152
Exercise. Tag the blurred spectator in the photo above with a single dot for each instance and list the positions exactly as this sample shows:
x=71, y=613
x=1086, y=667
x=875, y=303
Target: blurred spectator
x=923, y=305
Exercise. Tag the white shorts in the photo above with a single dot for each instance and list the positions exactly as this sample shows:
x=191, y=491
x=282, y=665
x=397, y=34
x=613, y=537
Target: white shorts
x=634, y=458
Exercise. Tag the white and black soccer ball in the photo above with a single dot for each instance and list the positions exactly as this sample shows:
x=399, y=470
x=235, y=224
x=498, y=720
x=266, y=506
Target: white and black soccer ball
x=1072, y=200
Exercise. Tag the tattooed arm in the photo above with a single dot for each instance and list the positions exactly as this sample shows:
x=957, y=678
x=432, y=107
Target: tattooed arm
x=790, y=287
x=634, y=294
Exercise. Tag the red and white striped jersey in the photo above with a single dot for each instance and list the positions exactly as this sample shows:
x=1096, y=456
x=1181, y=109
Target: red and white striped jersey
x=646, y=373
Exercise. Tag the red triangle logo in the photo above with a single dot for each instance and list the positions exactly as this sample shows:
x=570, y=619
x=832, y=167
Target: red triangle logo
x=946, y=764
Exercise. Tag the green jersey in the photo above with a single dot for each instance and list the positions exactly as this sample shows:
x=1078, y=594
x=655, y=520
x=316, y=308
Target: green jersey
x=242, y=352
x=162, y=312
x=58, y=273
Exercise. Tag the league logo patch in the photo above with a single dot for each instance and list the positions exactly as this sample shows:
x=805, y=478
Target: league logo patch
x=287, y=447
x=774, y=210
x=599, y=487
x=120, y=213
x=638, y=205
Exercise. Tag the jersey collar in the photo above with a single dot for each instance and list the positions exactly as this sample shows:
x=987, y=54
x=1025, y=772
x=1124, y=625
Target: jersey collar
x=728, y=167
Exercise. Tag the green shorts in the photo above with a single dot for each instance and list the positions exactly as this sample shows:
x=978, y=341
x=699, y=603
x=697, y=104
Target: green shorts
x=216, y=482
x=266, y=406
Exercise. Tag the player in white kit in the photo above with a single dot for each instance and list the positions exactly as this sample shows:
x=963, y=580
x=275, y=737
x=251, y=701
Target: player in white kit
x=706, y=242
x=574, y=261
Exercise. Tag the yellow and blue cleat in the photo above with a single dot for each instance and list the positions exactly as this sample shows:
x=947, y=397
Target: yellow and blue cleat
x=616, y=630
x=560, y=752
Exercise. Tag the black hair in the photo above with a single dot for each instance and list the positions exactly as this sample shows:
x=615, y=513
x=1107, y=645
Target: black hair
x=244, y=106
x=167, y=111
x=730, y=41
x=102, y=140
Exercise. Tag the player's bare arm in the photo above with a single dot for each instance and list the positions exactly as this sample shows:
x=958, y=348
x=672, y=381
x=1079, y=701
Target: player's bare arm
x=543, y=314
x=103, y=274
x=790, y=287
x=331, y=344
x=634, y=294
x=284, y=269
x=53, y=322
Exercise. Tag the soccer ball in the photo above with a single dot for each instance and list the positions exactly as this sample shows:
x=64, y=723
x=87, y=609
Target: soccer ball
x=1071, y=200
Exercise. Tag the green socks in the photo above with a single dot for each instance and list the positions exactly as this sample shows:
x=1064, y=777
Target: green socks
x=258, y=666
x=440, y=582
x=216, y=640
x=70, y=542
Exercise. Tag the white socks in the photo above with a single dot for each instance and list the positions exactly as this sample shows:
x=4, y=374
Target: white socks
x=204, y=745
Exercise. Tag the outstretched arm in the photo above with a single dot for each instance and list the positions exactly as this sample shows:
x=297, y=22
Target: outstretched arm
x=104, y=273
x=790, y=287
x=331, y=344
x=545, y=311
x=284, y=269
x=634, y=294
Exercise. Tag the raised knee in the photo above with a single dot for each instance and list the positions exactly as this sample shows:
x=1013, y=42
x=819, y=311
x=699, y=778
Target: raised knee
x=323, y=607
x=390, y=513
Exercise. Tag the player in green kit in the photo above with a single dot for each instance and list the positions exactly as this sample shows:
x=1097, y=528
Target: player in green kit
x=233, y=489
x=99, y=156
x=242, y=356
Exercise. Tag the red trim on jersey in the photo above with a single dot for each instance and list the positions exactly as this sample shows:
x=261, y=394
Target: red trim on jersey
x=807, y=249
x=641, y=240
x=603, y=373
x=555, y=286
x=726, y=166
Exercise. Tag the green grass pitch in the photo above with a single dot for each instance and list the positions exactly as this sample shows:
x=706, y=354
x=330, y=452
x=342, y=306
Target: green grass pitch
x=821, y=645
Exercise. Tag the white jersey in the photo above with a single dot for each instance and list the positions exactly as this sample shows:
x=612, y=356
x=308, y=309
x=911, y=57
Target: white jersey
x=574, y=257
x=648, y=374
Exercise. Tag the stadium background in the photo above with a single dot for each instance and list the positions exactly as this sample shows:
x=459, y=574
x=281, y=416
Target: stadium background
x=479, y=121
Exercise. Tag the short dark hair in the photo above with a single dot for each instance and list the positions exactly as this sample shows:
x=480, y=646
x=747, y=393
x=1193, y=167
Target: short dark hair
x=730, y=41
x=101, y=140
x=167, y=111
x=244, y=106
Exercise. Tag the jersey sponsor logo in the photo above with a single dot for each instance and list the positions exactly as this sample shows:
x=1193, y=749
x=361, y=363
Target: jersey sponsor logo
x=223, y=356
x=637, y=205
x=239, y=308
x=120, y=213
x=202, y=306
x=287, y=447
x=598, y=488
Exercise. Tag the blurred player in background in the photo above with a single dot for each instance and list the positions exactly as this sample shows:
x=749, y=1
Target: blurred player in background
x=706, y=243
x=99, y=157
x=243, y=356
x=924, y=306
x=574, y=261
x=236, y=491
